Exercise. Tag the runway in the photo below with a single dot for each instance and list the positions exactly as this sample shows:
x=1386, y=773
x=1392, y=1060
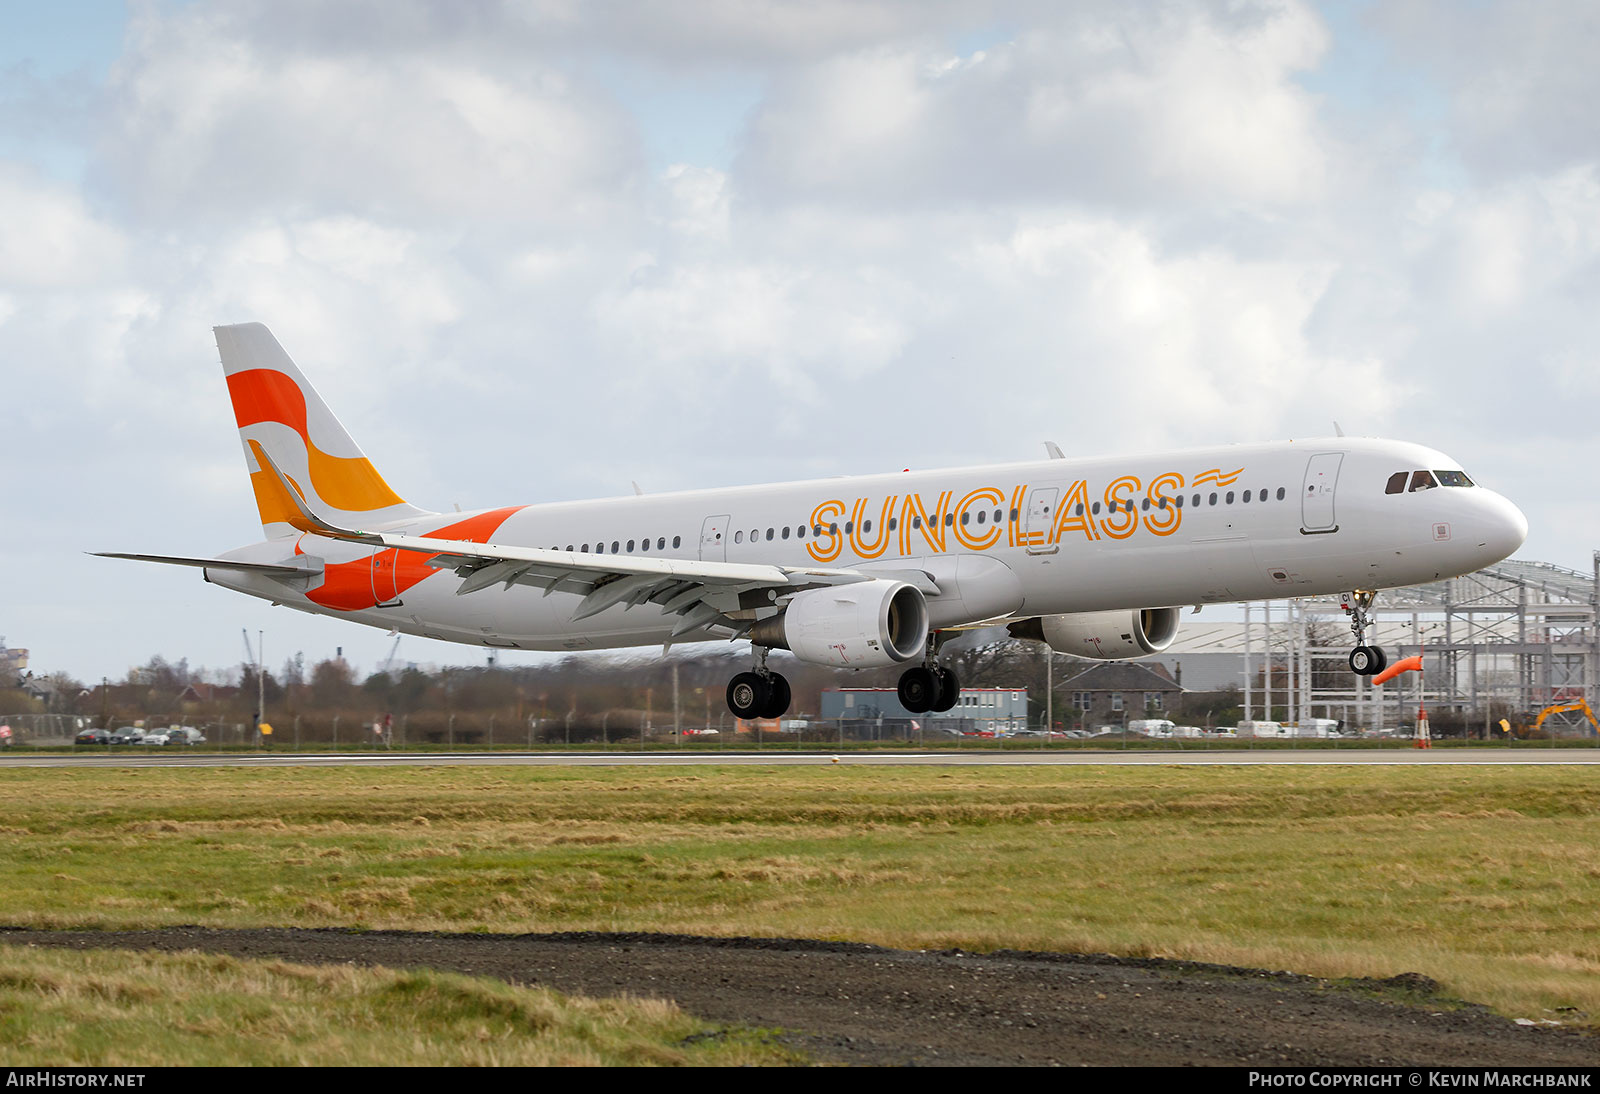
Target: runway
x=773, y=758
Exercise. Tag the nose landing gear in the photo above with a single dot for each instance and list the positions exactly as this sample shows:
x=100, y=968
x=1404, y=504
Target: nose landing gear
x=1365, y=660
x=761, y=693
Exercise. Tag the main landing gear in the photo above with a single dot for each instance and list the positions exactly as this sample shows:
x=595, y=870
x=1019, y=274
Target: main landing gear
x=762, y=693
x=1365, y=660
x=929, y=686
x=758, y=694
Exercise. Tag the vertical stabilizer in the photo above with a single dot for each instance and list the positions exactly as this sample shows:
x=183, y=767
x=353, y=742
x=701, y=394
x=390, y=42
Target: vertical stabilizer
x=280, y=413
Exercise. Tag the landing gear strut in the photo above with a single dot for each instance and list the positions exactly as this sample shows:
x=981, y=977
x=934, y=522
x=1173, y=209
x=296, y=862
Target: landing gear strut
x=1365, y=660
x=761, y=693
x=929, y=686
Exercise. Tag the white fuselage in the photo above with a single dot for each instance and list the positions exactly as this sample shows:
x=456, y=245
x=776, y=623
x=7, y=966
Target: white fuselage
x=1234, y=523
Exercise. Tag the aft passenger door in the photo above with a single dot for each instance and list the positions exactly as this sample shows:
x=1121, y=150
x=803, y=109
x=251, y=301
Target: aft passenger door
x=385, y=582
x=1317, y=513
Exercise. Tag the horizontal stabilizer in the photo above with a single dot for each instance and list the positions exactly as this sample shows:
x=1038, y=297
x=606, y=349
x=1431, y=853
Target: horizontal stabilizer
x=273, y=568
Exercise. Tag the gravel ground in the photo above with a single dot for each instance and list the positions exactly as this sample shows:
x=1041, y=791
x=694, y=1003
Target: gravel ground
x=857, y=1004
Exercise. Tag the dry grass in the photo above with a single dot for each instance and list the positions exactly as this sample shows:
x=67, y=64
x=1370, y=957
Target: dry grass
x=120, y=1009
x=1482, y=878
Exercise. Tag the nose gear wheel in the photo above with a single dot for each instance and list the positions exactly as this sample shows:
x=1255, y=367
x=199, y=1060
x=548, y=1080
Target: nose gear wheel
x=1365, y=660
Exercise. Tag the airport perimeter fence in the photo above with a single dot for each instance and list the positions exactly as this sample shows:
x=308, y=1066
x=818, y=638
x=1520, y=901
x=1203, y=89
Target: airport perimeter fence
x=31, y=728
x=552, y=735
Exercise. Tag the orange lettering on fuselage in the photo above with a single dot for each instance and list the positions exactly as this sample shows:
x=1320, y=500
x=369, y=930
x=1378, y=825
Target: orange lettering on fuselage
x=963, y=527
x=1072, y=515
x=1122, y=522
x=1164, y=520
x=824, y=521
x=1129, y=502
x=857, y=528
x=915, y=518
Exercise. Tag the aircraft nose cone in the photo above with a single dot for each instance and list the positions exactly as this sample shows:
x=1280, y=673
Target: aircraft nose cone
x=1504, y=527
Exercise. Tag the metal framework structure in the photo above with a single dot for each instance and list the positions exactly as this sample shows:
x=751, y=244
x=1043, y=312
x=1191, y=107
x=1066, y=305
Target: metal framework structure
x=1504, y=642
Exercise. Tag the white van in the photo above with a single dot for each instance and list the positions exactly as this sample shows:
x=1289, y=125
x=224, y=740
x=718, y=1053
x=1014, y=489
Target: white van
x=1151, y=727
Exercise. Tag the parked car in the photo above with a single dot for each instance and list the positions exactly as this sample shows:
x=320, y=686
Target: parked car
x=126, y=735
x=92, y=737
x=185, y=735
x=159, y=737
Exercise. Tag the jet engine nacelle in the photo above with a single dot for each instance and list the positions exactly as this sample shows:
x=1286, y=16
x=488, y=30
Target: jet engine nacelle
x=1104, y=636
x=866, y=624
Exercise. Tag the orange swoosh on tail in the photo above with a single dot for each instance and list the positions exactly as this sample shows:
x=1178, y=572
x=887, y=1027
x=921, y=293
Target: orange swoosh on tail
x=349, y=483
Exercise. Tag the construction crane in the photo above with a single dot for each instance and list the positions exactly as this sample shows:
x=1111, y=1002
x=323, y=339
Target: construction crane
x=389, y=661
x=253, y=656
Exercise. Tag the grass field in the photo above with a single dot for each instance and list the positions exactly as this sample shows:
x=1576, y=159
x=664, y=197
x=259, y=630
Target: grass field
x=1486, y=879
x=106, y=1008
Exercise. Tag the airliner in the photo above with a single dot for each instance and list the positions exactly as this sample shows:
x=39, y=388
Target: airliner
x=1094, y=556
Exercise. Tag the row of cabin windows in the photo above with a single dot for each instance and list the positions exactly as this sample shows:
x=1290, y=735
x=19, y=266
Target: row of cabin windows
x=866, y=526
x=1244, y=498
x=982, y=517
x=1425, y=480
x=617, y=548
x=1000, y=514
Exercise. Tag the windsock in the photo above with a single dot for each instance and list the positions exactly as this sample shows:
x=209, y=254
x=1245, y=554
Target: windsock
x=1406, y=664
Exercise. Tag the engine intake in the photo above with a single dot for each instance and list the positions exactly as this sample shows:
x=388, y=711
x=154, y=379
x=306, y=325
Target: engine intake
x=866, y=624
x=1103, y=636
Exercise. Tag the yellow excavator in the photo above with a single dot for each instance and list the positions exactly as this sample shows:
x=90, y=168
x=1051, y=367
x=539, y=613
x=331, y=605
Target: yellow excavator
x=1562, y=708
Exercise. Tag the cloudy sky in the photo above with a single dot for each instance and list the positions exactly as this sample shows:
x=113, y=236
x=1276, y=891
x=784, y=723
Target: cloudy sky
x=534, y=251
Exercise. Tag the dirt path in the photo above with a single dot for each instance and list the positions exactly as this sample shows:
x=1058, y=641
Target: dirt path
x=857, y=1004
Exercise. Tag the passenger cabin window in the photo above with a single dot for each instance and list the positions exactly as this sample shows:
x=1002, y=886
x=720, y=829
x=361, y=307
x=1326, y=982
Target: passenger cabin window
x=1422, y=480
x=738, y=537
x=1453, y=478
x=1397, y=483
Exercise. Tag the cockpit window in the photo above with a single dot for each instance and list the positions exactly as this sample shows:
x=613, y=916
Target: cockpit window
x=1397, y=483
x=1422, y=480
x=1453, y=478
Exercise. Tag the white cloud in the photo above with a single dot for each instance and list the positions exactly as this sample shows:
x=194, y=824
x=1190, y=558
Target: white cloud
x=207, y=123
x=1519, y=80
x=49, y=239
x=1158, y=106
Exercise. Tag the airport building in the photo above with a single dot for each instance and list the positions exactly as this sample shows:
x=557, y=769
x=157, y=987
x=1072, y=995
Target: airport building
x=996, y=711
x=1510, y=641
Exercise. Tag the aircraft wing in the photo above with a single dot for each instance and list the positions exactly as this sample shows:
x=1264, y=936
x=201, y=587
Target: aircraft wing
x=701, y=593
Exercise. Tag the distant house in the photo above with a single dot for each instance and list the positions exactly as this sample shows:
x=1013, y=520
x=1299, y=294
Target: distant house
x=36, y=688
x=207, y=693
x=1115, y=692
